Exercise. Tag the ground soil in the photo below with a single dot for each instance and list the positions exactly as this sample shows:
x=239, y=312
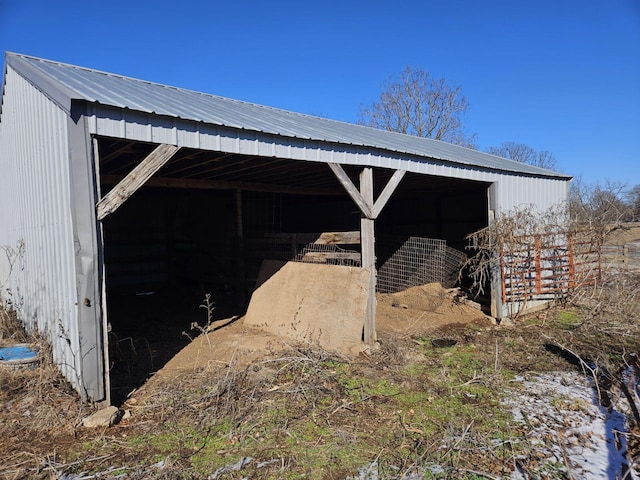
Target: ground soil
x=412, y=312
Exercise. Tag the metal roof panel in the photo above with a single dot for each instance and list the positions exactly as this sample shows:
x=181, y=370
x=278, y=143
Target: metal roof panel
x=81, y=83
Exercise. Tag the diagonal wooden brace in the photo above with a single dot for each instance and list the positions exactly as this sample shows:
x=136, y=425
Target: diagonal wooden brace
x=135, y=179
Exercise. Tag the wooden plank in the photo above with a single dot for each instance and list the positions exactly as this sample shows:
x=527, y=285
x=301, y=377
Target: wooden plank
x=313, y=256
x=338, y=238
x=135, y=179
x=388, y=190
x=103, y=285
x=343, y=178
x=367, y=237
x=197, y=184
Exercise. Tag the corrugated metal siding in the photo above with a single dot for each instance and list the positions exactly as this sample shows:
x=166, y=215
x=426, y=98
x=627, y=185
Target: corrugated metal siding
x=539, y=193
x=34, y=210
x=512, y=190
x=161, y=100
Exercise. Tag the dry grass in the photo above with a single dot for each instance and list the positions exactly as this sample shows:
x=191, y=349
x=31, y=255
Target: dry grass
x=11, y=331
x=38, y=408
x=307, y=413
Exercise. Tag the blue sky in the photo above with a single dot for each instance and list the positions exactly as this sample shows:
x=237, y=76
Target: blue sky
x=558, y=75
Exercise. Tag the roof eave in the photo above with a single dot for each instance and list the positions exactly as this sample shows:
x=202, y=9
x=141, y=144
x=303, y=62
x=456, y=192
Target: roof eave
x=58, y=93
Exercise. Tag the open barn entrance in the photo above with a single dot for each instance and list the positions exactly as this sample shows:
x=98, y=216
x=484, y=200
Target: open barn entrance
x=206, y=221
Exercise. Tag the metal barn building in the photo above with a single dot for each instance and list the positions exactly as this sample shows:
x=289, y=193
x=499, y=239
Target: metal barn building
x=210, y=176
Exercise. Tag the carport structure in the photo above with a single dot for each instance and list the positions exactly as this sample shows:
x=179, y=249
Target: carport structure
x=94, y=162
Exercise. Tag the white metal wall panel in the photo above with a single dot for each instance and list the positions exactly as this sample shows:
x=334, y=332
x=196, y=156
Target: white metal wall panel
x=517, y=192
x=35, y=212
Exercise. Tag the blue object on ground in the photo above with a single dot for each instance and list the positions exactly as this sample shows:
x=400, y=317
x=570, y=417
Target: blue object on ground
x=20, y=353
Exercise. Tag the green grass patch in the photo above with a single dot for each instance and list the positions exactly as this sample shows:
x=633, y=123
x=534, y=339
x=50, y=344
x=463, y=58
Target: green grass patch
x=568, y=319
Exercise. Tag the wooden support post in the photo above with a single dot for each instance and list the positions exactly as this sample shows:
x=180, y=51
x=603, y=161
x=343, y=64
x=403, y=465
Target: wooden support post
x=135, y=179
x=367, y=237
x=496, y=281
x=103, y=285
x=369, y=212
x=241, y=276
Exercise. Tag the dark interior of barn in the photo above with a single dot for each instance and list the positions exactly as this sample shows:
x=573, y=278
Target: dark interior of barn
x=206, y=221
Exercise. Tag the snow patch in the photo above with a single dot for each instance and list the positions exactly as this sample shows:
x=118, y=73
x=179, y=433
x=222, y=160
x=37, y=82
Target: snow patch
x=567, y=428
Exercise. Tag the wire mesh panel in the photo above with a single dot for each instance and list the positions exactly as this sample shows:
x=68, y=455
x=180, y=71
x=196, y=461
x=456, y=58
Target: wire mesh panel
x=454, y=260
x=417, y=261
x=420, y=261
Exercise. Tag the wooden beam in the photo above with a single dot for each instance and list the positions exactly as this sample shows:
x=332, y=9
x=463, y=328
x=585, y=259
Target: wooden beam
x=198, y=184
x=338, y=238
x=103, y=315
x=353, y=192
x=384, y=197
x=367, y=238
x=135, y=179
x=322, y=257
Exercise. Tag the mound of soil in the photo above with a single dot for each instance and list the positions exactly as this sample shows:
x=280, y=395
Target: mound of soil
x=412, y=312
x=420, y=309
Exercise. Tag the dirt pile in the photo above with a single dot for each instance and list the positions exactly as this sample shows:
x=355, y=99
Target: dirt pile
x=420, y=309
x=321, y=304
x=415, y=311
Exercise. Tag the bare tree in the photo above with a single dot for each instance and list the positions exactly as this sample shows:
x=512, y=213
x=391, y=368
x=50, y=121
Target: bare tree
x=633, y=199
x=525, y=154
x=418, y=104
x=599, y=206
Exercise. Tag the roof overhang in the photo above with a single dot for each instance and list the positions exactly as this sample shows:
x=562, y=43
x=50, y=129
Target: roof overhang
x=155, y=107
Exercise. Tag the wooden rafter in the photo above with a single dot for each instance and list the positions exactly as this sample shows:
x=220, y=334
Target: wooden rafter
x=204, y=184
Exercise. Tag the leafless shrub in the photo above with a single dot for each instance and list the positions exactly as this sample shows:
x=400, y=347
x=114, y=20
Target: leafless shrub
x=390, y=351
x=590, y=214
x=38, y=405
x=508, y=232
x=613, y=307
x=606, y=344
x=600, y=206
